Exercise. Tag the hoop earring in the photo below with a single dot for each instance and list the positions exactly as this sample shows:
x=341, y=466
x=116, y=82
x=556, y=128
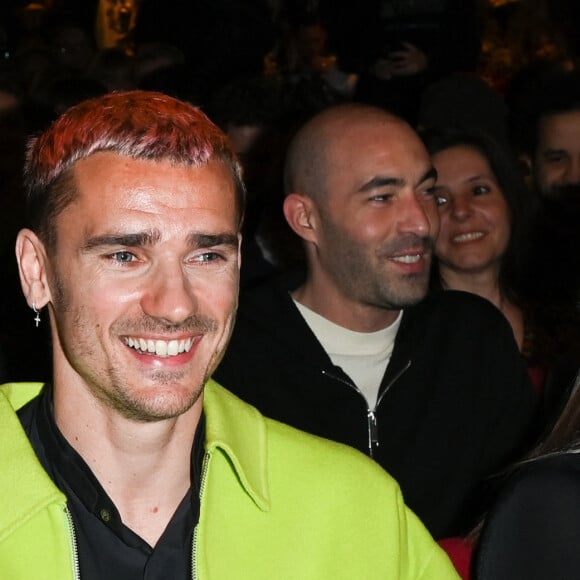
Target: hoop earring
x=37, y=317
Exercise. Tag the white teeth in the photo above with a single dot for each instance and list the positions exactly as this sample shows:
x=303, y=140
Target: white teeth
x=468, y=237
x=161, y=348
x=410, y=259
x=172, y=347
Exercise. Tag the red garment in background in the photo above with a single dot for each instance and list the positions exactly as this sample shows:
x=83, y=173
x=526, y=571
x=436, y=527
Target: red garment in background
x=460, y=551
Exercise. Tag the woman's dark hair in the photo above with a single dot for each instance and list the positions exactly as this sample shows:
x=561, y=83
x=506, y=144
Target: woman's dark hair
x=510, y=180
x=564, y=437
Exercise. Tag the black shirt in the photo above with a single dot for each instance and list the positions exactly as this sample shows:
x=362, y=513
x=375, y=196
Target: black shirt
x=106, y=547
x=460, y=411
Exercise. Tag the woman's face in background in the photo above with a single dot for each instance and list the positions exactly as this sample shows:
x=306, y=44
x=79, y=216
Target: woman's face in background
x=475, y=217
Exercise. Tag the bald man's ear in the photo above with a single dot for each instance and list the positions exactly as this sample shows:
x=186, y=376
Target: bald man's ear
x=32, y=267
x=300, y=212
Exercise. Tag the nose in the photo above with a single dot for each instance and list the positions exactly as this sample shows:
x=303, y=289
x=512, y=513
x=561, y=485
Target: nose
x=460, y=207
x=415, y=217
x=573, y=171
x=169, y=295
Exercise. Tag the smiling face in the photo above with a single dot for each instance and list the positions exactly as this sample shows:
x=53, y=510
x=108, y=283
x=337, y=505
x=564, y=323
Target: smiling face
x=475, y=219
x=143, y=282
x=377, y=215
x=557, y=158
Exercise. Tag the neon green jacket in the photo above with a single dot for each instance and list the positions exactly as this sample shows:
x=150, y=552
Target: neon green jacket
x=276, y=504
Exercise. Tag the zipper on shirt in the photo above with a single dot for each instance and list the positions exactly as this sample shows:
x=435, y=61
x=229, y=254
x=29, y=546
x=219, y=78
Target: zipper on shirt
x=73, y=543
x=372, y=423
x=204, y=469
x=393, y=381
x=373, y=431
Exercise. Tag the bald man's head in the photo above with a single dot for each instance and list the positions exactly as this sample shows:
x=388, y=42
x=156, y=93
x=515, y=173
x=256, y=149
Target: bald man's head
x=359, y=192
x=311, y=152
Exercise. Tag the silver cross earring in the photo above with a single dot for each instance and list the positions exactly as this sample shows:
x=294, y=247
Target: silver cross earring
x=37, y=317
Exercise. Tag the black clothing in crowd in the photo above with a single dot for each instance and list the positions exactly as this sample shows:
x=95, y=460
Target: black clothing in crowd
x=455, y=403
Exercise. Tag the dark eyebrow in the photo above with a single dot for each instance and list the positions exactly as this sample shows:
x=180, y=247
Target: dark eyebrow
x=429, y=174
x=385, y=181
x=381, y=181
x=150, y=238
x=197, y=240
x=133, y=240
x=478, y=177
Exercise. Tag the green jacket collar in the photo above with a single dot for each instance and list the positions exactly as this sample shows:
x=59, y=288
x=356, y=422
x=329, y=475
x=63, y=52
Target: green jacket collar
x=234, y=427
x=31, y=489
x=239, y=430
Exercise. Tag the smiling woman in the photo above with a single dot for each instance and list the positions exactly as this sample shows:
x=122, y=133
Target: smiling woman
x=480, y=248
x=479, y=199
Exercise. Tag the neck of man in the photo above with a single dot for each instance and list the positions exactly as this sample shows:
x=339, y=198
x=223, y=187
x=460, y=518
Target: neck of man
x=145, y=467
x=326, y=299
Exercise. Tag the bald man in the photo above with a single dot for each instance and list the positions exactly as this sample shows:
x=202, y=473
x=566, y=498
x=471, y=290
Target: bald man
x=433, y=389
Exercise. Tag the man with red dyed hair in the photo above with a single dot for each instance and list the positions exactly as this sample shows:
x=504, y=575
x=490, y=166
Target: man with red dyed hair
x=133, y=463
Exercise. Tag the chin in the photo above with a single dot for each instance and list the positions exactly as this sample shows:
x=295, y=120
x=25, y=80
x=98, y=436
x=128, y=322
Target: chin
x=407, y=299
x=158, y=402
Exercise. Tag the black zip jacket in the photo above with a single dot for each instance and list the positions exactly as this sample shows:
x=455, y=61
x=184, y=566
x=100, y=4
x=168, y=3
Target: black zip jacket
x=454, y=407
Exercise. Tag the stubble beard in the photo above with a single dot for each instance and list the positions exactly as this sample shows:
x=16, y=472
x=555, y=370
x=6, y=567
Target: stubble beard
x=173, y=398
x=110, y=386
x=366, y=277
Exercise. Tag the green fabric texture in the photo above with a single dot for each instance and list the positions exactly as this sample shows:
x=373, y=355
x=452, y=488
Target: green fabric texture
x=276, y=503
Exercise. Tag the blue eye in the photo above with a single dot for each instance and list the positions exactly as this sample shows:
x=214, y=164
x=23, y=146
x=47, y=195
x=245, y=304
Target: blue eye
x=208, y=257
x=123, y=257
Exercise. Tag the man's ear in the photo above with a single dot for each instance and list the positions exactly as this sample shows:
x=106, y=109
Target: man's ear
x=301, y=215
x=526, y=163
x=32, y=267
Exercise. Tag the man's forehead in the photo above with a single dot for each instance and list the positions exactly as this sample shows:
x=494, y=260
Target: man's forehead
x=119, y=170
x=377, y=132
x=111, y=186
x=377, y=164
x=560, y=124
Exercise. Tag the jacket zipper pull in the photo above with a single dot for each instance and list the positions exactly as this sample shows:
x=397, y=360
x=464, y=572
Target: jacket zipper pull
x=373, y=430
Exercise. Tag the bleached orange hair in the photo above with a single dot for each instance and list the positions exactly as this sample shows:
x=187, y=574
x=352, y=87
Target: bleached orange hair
x=137, y=124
